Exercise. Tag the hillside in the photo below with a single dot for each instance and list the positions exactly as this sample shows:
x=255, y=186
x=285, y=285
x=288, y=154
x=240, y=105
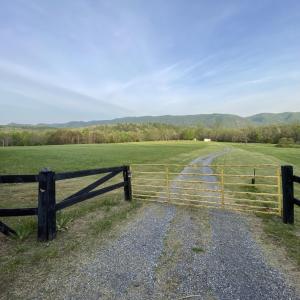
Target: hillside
x=268, y=118
x=205, y=120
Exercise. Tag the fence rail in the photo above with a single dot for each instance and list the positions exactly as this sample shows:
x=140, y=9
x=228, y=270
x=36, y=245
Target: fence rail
x=18, y=178
x=18, y=212
x=254, y=188
x=47, y=206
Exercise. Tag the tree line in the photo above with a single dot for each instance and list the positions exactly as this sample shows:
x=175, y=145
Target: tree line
x=121, y=133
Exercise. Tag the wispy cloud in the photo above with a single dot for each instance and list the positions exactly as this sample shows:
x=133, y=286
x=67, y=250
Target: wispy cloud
x=92, y=60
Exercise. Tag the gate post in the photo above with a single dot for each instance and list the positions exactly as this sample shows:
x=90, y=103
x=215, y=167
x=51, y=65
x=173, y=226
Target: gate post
x=288, y=194
x=127, y=183
x=46, y=206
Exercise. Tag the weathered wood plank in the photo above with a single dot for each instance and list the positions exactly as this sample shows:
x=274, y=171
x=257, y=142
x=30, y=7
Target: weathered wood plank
x=17, y=212
x=18, y=178
x=69, y=175
x=80, y=198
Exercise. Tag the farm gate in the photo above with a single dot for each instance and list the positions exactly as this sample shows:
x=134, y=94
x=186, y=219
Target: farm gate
x=249, y=188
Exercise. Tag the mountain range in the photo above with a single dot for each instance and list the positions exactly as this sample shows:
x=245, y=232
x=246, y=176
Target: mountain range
x=206, y=120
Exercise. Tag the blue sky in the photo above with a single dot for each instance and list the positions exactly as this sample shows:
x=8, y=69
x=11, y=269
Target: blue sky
x=87, y=60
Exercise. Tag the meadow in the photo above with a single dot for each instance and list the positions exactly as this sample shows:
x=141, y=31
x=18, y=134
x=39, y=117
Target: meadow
x=82, y=224
x=20, y=160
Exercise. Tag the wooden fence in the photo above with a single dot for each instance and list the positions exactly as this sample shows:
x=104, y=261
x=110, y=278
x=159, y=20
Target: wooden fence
x=289, y=200
x=47, y=206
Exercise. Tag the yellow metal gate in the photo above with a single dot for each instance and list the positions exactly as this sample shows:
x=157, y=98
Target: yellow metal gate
x=255, y=188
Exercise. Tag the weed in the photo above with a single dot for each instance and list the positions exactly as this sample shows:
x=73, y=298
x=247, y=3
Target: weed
x=62, y=221
x=197, y=250
x=25, y=228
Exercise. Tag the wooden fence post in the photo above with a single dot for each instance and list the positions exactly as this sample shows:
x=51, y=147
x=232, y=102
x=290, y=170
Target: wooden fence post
x=46, y=206
x=288, y=194
x=127, y=183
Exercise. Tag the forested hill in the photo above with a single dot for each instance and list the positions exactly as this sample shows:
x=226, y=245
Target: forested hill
x=272, y=119
x=206, y=120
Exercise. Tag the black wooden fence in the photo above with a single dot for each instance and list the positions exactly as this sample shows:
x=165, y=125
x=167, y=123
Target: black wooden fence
x=289, y=200
x=47, y=206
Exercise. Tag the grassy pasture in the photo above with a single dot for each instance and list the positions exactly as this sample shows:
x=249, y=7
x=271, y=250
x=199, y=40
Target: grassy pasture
x=275, y=154
x=20, y=160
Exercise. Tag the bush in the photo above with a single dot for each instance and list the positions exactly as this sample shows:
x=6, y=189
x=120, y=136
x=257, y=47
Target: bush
x=285, y=142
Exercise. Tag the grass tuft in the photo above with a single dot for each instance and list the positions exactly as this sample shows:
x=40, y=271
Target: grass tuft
x=197, y=250
x=62, y=221
x=25, y=228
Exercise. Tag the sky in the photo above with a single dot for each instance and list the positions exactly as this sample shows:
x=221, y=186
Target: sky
x=93, y=60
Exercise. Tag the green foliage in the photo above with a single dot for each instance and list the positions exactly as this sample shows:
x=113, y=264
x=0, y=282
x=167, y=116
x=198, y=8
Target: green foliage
x=197, y=250
x=25, y=228
x=287, y=142
x=122, y=133
x=271, y=119
x=188, y=133
x=62, y=221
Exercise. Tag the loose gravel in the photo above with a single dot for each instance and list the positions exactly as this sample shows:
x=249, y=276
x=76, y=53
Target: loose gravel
x=237, y=267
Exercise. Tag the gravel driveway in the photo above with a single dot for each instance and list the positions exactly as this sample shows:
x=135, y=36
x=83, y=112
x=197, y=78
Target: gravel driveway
x=169, y=252
x=237, y=268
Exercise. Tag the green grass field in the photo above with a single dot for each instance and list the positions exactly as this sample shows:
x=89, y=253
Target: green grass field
x=80, y=224
x=20, y=160
x=274, y=154
x=93, y=218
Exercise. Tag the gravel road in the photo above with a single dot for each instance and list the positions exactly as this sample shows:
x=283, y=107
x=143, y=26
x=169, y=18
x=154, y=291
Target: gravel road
x=169, y=252
x=237, y=267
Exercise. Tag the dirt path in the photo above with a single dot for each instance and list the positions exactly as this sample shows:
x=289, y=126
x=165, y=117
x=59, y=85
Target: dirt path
x=170, y=252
